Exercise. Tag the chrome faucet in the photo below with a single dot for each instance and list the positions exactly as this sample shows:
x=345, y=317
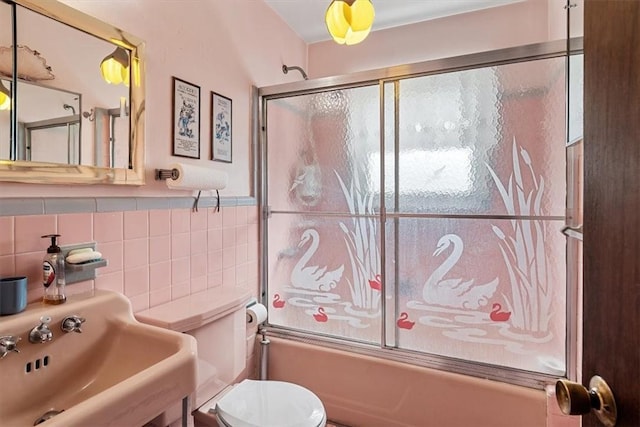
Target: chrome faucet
x=72, y=324
x=41, y=333
x=8, y=343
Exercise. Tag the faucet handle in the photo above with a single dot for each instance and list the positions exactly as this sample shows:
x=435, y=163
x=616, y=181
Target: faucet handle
x=73, y=324
x=41, y=333
x=8, y=343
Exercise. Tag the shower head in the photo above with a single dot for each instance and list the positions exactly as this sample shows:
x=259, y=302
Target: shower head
x=285, y=69
x=69, y=107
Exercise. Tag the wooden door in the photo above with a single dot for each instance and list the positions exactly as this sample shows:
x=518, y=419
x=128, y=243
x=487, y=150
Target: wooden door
x=612, y=203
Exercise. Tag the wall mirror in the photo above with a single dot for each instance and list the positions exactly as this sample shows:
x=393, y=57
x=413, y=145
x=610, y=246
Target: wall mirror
x=71, y=97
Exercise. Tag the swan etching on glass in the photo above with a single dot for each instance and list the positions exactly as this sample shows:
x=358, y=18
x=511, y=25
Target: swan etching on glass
x=497, y=315
x=277, y=302
x=313, y=277
x=456, y=293
x=321, y=315
x=403, y=321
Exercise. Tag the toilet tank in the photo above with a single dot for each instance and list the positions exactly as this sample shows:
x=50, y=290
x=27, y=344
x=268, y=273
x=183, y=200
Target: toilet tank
x=217, y=319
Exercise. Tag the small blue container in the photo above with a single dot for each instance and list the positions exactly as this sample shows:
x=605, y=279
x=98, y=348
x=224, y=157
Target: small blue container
x=13, y=295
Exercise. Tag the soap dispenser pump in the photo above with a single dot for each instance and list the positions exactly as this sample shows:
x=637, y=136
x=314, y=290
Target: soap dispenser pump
x=53, y=273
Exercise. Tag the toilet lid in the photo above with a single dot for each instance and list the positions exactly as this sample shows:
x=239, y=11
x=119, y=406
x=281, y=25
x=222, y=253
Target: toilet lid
x=270, y=404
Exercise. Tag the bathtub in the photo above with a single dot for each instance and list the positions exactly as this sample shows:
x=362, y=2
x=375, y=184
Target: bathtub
x=359, y=390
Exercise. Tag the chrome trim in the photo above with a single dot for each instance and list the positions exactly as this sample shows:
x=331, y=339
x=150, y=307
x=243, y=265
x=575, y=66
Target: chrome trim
x=9, y=343
x=435, y=66
x=41, y=333
x=262, y=200
x=255, y=141
x=503, y=374
x=72, y=324
x=388, y=215
x=382, y=219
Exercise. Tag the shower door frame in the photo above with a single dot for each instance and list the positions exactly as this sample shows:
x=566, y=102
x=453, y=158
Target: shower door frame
x=381, y=77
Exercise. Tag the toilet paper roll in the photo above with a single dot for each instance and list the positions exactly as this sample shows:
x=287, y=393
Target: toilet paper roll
x=256, y=314
x=197, y=178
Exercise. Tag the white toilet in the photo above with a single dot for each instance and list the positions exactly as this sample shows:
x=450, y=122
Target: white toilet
x=217, y=319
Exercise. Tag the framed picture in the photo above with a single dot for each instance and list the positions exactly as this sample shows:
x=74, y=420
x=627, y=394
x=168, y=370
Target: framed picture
x=221, y=145
x=186, y=119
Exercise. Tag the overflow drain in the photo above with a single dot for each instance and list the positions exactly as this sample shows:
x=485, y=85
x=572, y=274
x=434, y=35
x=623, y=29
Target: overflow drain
x=47, y=416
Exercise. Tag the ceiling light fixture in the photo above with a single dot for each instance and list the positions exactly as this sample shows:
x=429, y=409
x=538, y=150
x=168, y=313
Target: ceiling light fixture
x=349, y=21
x=5, y=97
x=115, y=67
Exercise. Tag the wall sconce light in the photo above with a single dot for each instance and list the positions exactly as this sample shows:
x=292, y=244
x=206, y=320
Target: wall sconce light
x=349, y=21
x=5, y=97
x=115, y=67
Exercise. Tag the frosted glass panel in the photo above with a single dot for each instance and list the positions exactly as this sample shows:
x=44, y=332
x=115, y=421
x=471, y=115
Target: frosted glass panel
x=474, y=177
x=576, y=101
x=317, y=141
x=491, y=291
x=324, y=275
x=465, y=135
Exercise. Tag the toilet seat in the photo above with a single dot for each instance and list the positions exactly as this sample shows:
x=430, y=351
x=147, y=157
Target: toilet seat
x=270, y=404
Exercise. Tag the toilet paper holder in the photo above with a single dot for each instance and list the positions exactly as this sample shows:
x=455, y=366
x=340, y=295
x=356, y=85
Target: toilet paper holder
x=256, y=312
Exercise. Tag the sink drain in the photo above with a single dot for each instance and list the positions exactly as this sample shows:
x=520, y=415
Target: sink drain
x=47, y=416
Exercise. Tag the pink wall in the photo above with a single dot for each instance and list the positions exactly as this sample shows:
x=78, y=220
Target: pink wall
x=154, y=256
x=527, y=22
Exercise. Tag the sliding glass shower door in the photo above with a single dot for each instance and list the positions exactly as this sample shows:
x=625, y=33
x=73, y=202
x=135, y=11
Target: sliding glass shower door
x=423, y=214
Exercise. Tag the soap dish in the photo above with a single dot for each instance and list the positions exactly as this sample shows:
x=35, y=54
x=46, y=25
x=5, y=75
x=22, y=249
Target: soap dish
x=87, y=265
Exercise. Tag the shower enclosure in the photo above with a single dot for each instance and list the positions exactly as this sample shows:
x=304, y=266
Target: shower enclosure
x=54, y=140
x=416, y=212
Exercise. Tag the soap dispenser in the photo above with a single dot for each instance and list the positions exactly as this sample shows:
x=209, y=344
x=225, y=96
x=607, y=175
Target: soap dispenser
x=53, y=273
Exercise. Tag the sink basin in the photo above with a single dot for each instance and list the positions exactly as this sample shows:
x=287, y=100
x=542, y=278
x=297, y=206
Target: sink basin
x=117, y=372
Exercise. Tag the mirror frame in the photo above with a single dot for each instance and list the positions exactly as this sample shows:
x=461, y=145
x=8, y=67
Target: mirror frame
x=55, y=173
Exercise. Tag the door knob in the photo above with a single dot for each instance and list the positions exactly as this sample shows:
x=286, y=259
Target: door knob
x=575, y=399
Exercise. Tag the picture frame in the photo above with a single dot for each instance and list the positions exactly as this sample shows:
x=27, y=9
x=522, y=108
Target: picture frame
x=186, y=119
x=221, y=128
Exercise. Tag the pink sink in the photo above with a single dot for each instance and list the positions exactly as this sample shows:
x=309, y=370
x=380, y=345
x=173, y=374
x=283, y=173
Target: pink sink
x=117, y=372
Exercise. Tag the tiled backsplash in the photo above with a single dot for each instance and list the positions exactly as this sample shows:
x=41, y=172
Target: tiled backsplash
x=154, y=255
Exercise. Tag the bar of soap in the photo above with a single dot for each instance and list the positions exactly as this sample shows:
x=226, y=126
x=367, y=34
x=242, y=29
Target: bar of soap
x=79, y=250
x=85, y=256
